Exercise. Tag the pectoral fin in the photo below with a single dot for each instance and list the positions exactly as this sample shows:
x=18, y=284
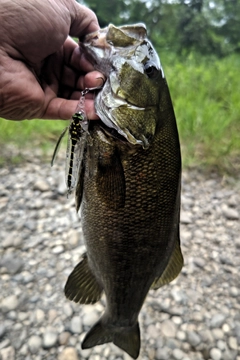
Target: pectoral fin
x=111, y=182
x=172, y=270
x=82, y=286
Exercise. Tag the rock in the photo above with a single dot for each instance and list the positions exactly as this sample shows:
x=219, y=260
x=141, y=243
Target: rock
x=232, y=342
x=5, y=343
x=12, y=240
x=162, y=353
x=218, y=333
x=22, y=316
x=177, y=295
x=76, y=325
x=61, y=189
x=152, y=332
x=59, y=249
x=73, y=239
x=41, y=185
x=228, y=355
x=237, y=242
x=67, y=309
x=181, y=335
x=24, y=351
x=27, y=277
x=2, y=330
x=52, y=314
x=50, y=339
x=39, y=315
x=9, y=303
x=7, y=353
x=217, y=320
x=35, y=204
x=34, y=344
x=168, y=328
x=229, y=213
x=215, y=354
x=64, y=337
x=193, y=338
x=185, y=217
x=90, y=318
x=178, y=354
x=68, y=353
x=12, y=263
x=199, y=262
x=234, y=292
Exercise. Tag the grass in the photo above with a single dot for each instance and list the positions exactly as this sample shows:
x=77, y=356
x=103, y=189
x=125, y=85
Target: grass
x=28, y=135
x=205, y=94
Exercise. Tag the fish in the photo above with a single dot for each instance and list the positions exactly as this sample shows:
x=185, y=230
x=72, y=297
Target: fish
x=129, y=186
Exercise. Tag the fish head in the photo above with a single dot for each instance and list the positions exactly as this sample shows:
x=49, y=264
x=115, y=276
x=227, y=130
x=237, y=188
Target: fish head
x=129, y=99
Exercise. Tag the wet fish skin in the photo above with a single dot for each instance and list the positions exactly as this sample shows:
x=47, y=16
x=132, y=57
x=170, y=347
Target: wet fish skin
x=129, y=188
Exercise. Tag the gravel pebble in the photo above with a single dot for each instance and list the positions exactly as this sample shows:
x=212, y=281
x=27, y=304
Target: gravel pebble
x=90, y=318
x=178, y=354
x=233, y=343
x=68, y=353
x=168, y=328
x=230, y=213
x=215, y=354
x=50, y=339
x=196, y=317
x=9, y=303
x=64, y=337
x=34, y=344
x=7, y=353
x=193, y=338
x=217, y=320
x=76, y=325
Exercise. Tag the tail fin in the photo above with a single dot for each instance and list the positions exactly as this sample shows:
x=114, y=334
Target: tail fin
x=126, y=338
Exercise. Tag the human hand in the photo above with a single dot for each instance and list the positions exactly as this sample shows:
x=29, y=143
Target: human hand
x=41, y=69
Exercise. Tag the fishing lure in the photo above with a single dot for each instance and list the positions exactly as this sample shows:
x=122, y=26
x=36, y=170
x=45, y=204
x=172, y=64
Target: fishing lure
x=77, y=139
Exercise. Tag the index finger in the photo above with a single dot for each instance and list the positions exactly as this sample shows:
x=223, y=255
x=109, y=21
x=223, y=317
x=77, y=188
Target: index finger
x=84, y=21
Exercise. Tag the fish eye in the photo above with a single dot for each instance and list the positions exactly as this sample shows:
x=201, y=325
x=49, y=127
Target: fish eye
x=150, y=70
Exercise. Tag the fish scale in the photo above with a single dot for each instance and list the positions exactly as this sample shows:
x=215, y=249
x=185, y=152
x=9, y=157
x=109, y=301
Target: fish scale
x=130, y=203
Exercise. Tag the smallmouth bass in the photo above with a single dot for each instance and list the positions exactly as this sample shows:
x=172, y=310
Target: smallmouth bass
x=128, y=187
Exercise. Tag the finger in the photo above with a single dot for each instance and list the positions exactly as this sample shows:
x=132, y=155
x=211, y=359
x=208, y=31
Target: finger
x=91, y=79
x=71, y=85
x=84, y=21
x=63, y=109
x=80, y=62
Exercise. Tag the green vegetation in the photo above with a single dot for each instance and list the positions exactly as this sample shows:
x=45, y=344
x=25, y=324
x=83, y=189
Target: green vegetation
x=198, y=42
x=205, y=93
x=203, y=26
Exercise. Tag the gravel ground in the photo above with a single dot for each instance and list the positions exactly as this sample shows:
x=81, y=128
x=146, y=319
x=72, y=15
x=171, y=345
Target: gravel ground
x=194, y=318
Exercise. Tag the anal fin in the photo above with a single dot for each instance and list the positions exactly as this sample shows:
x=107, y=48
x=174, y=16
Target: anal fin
x=172, y=269
x=82, y=286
